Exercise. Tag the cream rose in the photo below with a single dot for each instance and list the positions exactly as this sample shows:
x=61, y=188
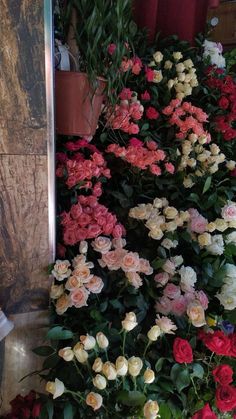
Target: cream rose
x=221, y=225
x=154, y=333
x=151, y=409
x=135, y=364
x=121, y=366
x=177, y=55
x=109, y=370
x=56, y=388
x=80, y=354
x=170, y=212
x=97, y=365
x=102, y=340
x=196, y=314
x=130, y=321
x=149, y=376
x=56, y=291
x=168, y=65
x=61, y=269
x=204, y=239
x=88, y=342
x=102, y=244
x=66, y=353
x=83, y=247
x=94, y=400
x=158, y=56
x=100, y=382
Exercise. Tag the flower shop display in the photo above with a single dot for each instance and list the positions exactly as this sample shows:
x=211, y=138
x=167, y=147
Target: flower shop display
x=143, y=291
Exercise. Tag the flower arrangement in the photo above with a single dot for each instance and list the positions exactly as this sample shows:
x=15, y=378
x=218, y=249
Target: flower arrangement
x=143, y=293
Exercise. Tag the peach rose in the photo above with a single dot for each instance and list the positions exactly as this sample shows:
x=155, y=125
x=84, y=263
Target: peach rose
x=196, y=314
x=83, y=272
x=73, y=282
x=62, y=304
x=94, y=400
x=102, y=244
x=95, y=284
x=130, y=262
x=79, y=297
x=112, y=259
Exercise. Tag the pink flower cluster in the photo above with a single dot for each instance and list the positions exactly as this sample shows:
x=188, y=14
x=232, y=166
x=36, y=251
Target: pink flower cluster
x=79, y=169
x=119, y=258
x=125, y=114
x=187, y=118
x=134, y=64
x=88, y=219
x=144, y=156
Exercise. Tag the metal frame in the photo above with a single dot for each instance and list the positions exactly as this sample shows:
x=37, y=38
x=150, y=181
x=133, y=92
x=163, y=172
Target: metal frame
x=49, y=84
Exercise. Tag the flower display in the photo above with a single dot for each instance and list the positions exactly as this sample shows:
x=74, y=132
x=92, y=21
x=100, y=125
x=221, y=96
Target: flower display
x=143, y=297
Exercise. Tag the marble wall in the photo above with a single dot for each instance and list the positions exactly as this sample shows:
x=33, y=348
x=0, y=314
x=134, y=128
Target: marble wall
x=24, y=237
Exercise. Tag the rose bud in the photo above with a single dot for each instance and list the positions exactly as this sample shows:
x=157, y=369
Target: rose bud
x=94, y=400
x=88, y=341
x=135, y=365
x=109, y=370
x=66, y=353
x=80, y=354
x=154, y=333
x=102, y=340
x=151, y=409
x=56, y=388
x=130, y=321
x=121, y=366
x=97, y=365
x=100, y=382
x=149, y=376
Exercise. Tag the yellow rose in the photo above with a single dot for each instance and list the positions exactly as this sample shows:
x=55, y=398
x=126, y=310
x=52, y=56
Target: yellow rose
x=94, y=400
x=66, y=353
x=97, y=365
x=56, y=388
x=102, y=340
x=149, y=376
x=121, y=366
x=221, y=225
x=151, y=409
x=196, y=314
x=156, y=233
x=130, y=321
x=211, y=321
x=80, y=354
x=100, y=382
x=154, y=333
x=211, y=227
x=204, y=239
x=191, y=163
x=109, y=370
x=135, y=364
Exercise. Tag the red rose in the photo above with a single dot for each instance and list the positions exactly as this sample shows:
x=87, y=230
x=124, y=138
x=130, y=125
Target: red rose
x=182, y=351
x=151, y=113
x=226, y=398
x=205, y=413
x=233, y=339
x=223, y=102
x=223, y=374
x=218, y=342
x=36, y=410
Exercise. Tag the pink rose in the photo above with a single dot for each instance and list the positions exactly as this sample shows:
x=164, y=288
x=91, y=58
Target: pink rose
x=151, y=145
x=93, y=231
x=198, y=224
x=135, y=142
x=162, y=278
x=145, y=267
x=163, y=306
x=172, y=291
x=155, y=170
x=111, y=49
x=179, y=306
x=102, y=244
x=79, y=297
x=112, y=259
x=134, y=279
x=84, y=220
x=95, y=285
x=125, y=94
x=145, y=95
x=133, y=128
x=202, y=298
x=170, y=168
x=228, y=212
x=117, y=231
x=130, y=262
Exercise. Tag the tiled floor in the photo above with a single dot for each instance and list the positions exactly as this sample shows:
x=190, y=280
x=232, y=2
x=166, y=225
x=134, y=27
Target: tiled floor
x=16, y=358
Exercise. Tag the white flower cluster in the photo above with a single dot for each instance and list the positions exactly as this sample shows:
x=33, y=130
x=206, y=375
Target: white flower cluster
x=214, y=51
x=200, y=156
x=227, y=295
x=160, y=218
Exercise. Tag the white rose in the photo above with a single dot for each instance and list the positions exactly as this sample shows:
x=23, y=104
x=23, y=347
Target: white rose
x=188, y=278
x=94, y=400
x=230, y=270
x=61, y=269
x=121, y=366
x=135, y=364
x=130, y=321
x=177, y=55
x=154, y=333
x=102, y=340
x=56, y=388
x=217, y=246
x=158, y=56
x=168, y=65
x=100, y=382
x=227, y=299
x=83, y=247
x=231, y=238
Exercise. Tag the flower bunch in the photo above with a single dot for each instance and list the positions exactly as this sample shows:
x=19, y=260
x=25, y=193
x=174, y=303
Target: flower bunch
x=180, y=75
x=88, y=219
x=25, y=407
x=75, y=285
x=159, y=217
x=213, y=52
x=125, y=114
x=119, y=258
x=144, y=156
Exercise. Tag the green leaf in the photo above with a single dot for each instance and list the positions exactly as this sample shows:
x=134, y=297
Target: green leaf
x=207, y=184
x=68, y=411
x=47, y=410
x=59, y=333
x=43, y=350
x=131, y=398
x=198, y=371
x=180, y=377
x=165, y=411
x=159, y=364
x=51, y=361
x=145, y=127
